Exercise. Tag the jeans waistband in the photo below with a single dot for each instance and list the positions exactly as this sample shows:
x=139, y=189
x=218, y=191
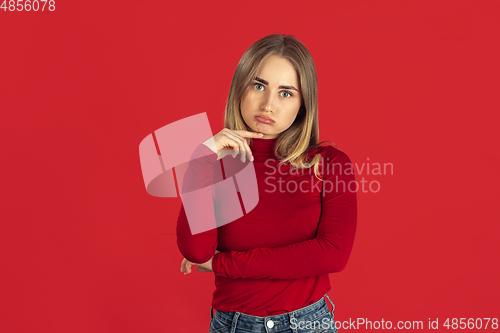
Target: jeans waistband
x=309, y=312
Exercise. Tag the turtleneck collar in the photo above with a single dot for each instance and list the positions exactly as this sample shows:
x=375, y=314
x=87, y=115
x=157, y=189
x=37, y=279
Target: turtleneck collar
x=263, y=145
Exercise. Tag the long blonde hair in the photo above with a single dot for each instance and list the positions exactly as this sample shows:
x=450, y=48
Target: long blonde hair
x=303, y=135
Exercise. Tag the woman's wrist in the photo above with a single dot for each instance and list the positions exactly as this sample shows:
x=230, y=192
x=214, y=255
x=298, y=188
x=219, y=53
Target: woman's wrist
x=215, y=264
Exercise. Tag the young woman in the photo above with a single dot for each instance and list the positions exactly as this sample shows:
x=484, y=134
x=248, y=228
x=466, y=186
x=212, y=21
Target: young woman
x=271, y=265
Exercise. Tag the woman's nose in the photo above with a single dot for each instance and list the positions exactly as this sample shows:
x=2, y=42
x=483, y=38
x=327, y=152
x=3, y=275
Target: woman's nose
x=268, y=102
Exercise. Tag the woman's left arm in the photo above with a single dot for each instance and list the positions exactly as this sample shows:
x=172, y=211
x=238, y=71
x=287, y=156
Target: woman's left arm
x=328, y=252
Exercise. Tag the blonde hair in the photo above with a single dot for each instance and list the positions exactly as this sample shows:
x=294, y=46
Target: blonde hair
x=302, y=136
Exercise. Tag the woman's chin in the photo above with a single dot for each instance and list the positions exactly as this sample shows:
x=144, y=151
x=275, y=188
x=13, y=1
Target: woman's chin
x=265, y=129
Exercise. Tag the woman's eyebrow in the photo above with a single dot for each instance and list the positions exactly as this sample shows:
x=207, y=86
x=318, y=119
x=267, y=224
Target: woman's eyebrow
x=280, y=87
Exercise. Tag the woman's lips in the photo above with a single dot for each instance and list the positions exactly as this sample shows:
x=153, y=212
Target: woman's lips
x=264, y=120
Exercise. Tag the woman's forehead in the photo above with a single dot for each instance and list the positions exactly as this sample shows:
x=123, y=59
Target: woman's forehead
x=278, y=70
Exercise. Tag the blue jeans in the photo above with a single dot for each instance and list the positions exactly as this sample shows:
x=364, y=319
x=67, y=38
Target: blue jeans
x=315, y=318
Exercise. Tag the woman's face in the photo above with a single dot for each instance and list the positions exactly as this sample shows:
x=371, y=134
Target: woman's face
x=273, y=93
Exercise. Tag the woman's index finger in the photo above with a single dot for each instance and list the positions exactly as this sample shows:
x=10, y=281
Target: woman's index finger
x=247, y=134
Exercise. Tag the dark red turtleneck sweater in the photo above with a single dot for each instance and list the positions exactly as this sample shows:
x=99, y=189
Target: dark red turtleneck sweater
x=277, y=257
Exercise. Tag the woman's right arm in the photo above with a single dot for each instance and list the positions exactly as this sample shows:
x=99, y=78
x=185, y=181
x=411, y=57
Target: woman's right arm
x=195, y=246
x=196, y=190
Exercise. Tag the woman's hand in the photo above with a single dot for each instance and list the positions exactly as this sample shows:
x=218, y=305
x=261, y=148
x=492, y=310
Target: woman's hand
x=235, y=140
x=206, y=267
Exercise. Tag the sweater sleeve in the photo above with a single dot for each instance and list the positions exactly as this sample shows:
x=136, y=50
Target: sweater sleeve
x=328, y=252
x=199, y=175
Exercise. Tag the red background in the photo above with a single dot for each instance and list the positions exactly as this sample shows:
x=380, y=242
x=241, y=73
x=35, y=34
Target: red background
x=84, y=248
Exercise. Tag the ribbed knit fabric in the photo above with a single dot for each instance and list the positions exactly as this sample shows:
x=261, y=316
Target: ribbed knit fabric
x=277, y=257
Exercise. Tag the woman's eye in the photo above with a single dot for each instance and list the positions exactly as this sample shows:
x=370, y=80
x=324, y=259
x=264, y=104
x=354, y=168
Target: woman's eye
x=259, y=86
x=286, y=94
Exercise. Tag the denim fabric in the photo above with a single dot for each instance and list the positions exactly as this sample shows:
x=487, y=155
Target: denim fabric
x=314, y=318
